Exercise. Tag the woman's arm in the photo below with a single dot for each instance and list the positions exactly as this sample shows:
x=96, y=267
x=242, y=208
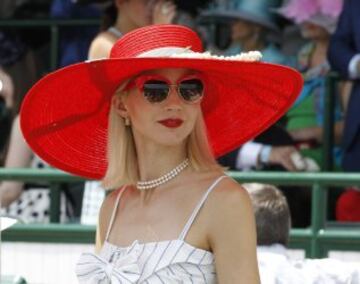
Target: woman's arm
x=18, y=156
x=101, y=45
x=232, y=235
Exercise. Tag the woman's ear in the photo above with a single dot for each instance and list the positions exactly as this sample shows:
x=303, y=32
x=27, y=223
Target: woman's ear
x=119, y=106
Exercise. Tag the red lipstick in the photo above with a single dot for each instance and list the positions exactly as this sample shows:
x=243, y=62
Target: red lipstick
x=171, y=122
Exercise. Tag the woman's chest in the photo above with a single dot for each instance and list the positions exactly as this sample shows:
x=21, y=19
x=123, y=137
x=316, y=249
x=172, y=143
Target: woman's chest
x=168, y=260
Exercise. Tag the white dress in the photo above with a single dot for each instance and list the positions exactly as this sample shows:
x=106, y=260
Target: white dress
x=169, y=261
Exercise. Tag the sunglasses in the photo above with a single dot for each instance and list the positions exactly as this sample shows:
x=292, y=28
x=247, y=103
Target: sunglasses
x=156, y=88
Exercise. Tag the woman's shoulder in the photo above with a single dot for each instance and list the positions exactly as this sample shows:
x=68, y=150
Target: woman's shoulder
x=110, y=200
x=229, y=189
x=229, y=207
x=228, y=198
x=107, y=208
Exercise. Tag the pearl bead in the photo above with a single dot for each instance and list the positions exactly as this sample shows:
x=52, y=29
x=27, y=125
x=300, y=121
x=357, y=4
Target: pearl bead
x=143, y=185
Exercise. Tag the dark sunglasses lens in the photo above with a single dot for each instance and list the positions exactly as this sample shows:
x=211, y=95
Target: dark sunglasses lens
x=191, y=90
x=155, y=91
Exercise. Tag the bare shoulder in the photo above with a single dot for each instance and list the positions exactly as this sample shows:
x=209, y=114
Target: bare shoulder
x=101, y=45
x=229, y=207
x=232, y=234
x=229, y=196
x=106, y=211
x=109, y=203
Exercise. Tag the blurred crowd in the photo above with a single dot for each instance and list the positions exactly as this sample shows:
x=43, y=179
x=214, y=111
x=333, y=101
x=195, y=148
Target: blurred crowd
x=316, y=37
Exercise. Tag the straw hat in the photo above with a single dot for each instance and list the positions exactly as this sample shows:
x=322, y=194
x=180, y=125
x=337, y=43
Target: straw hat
x=64, y=117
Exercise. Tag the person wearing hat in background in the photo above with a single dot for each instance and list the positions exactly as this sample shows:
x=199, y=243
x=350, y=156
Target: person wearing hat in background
x=253, y=23
x=305, y=120
x=344, y=57
x=149, y=122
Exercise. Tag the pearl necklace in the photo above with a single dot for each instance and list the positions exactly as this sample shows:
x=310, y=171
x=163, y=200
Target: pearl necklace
x=144, y=185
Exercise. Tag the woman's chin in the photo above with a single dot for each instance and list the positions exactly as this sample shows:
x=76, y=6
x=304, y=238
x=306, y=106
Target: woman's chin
x=171, y=140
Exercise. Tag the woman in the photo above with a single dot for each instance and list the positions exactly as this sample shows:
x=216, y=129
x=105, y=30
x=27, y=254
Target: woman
x=121, y=17
x=29, y=202
x=317, y=21
x=252, y=26
x=126, y=15
x=173, y=215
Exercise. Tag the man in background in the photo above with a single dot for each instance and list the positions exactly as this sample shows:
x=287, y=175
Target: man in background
x=273, y=225
x=344, y=57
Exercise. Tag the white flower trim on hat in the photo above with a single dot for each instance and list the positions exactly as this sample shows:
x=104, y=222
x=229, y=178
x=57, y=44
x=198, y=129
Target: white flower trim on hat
x=179, y=52
x=250, y=56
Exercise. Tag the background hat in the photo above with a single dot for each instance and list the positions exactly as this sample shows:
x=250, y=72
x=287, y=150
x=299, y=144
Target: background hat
x=347, y=206
x=64, y=117
x=255, y=11
x=324, y=13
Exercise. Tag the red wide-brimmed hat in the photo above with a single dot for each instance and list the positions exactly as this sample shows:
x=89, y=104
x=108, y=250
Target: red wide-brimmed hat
x=64, y=117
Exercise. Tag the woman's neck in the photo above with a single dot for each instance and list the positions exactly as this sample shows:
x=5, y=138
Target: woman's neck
x=123, y=24
x=155, y=161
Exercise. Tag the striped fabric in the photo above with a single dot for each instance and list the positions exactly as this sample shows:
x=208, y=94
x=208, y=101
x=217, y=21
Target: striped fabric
x=170, y=261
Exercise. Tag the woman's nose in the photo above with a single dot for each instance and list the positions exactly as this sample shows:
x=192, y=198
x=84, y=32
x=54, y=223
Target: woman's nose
x=173, y=100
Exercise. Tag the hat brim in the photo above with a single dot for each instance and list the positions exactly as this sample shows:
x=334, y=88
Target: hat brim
x=64, y=117
x=229, y=16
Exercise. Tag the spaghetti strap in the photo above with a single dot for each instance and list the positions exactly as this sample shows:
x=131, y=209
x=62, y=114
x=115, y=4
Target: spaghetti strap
x=121, y=190
x=198, y=207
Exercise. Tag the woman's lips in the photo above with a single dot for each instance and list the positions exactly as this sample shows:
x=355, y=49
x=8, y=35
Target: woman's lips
x=171, y=122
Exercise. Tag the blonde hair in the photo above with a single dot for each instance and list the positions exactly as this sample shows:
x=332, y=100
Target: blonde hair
x=121, y=151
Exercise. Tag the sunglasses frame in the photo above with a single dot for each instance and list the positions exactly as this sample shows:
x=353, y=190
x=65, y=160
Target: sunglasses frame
x=140, y=81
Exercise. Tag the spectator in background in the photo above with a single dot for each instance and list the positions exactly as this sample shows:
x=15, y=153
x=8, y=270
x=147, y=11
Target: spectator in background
x=344, y=57
x=305, y=120
x=28, y=202
x=252, y=24
x=17, y=74
x=17, y=60
x=273, y=225
x=6, y=107
x=126, y=15
x=272, y=214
